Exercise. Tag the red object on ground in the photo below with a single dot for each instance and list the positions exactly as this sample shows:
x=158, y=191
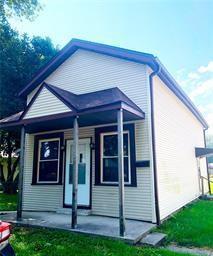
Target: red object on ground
x=5, y=229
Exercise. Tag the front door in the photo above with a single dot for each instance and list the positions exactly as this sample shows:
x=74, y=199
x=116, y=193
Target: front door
x=83, y=173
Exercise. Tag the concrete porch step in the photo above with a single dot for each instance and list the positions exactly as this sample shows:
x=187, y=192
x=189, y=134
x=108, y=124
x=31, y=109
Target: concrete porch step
x=153, y=239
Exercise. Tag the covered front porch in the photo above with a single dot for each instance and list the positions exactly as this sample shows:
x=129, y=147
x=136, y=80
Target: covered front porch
x=87, y=224
x=102, y=108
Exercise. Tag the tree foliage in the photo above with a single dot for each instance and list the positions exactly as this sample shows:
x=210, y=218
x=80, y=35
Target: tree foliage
x=20, y=58
x=20, y=8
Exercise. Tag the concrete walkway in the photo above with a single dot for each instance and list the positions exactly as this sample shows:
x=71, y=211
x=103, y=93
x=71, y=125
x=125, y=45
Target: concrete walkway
x=93, y=225
x=194, y=251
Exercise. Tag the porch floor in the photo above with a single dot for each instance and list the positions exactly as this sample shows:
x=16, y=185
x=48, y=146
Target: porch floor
x=91, y=224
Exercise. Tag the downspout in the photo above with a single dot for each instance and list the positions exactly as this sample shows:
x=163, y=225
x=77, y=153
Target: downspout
x=157, y=210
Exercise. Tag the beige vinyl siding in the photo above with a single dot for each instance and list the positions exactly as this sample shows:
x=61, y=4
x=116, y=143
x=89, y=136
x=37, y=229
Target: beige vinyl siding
x=177, y=133
x=87, y=72
x=46, y=104
x=31, y=94
x=104, y=199
x=38, y=197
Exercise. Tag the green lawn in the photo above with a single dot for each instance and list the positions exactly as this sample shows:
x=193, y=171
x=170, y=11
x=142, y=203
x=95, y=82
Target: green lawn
x=8, y=202
x=192, y=226
x=42, y=242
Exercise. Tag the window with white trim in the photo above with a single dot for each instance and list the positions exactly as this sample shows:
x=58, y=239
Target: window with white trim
x=109, y=157
x=48, y=160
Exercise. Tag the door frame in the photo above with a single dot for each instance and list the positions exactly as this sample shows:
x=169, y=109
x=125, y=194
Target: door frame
x=64, y=173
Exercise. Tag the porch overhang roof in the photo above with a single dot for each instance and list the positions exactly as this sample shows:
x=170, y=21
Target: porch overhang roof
x=94, y=108
x=203, y=152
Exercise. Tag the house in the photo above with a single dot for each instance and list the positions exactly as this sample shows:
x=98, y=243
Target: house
x=210, y=168
x=110, y=130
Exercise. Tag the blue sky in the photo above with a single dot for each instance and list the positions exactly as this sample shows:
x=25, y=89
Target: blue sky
x=179, y=32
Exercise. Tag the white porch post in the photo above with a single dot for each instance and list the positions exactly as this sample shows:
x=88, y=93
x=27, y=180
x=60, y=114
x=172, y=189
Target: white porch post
x=199, y=174
x=121, y=171
x=75, y=174
x=21, y=171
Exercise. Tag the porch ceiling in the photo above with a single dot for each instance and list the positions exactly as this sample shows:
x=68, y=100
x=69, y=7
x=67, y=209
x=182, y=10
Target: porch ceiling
x=57, y=122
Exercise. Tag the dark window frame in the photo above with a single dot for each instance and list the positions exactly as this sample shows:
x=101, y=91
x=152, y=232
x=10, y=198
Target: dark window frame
x=104, y=157
x=98, y=131
x=37, y=138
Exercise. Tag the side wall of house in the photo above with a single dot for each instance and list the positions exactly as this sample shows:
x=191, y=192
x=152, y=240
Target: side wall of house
x=86, y=72
x=177, y=133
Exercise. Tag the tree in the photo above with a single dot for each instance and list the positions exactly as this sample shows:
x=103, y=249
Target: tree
x=9, y=144
x=19, y=8
x=20, y=58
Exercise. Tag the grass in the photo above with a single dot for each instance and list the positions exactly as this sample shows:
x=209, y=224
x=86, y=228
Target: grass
x=42, y=242
x=8, y=202
x=192, y=226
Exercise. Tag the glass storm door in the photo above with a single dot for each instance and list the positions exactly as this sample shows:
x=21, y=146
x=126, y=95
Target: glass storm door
x=83, y=173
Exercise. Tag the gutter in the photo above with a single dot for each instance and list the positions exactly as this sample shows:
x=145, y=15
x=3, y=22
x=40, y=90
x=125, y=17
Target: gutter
x=157, y=210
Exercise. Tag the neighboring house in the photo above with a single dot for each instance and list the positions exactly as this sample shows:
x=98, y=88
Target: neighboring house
x=210, y=168
x=162, y=128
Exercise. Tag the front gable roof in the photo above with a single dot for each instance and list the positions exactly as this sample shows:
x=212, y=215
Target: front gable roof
x=45, y=103
x=144, y=58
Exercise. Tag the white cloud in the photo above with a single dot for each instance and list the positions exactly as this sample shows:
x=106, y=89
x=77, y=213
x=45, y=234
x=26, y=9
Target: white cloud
x=193, y=76
x=208, y=108
x=181, y=71
x=209, y=118
x=205, y=69
x=203, y=87
x=198, y=84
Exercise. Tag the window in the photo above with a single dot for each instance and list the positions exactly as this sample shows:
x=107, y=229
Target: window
x=106, y=156
x=109, y=157
x=47, y=159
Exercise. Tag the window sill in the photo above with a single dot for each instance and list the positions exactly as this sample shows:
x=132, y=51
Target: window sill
x=51, y=184
x=114, y=185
